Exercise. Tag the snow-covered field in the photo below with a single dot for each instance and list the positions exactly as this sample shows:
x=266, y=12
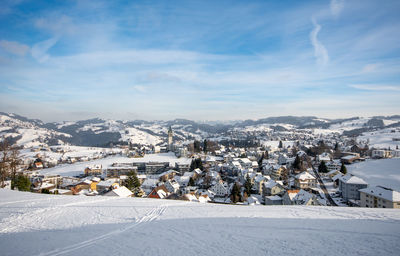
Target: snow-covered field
x=382, y=138
x=79, y=167
x=34, y=224
x=384, y=172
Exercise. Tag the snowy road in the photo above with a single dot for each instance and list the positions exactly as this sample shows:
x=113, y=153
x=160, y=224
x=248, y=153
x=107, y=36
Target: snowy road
x=33, y=224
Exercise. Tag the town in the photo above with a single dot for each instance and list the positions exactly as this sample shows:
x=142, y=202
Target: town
x=291, y=168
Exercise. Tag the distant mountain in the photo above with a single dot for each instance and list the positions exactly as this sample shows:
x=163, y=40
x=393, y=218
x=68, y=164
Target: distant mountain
x=99, y=132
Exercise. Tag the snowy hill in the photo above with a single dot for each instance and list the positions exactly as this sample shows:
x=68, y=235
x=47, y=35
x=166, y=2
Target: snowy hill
x=35, y=224
x=99, y=132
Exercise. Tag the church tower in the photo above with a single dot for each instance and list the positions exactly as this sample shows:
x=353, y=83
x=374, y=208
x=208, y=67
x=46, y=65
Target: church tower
x=170, y=139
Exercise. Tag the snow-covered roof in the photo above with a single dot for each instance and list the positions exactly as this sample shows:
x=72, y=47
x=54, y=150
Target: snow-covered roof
x=305, y=176
x=120, y=191
x=351, y=179
x=382, y=192
x=273, y=198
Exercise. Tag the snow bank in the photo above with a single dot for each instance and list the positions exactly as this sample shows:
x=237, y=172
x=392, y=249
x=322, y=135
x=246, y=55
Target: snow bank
x=37, y=224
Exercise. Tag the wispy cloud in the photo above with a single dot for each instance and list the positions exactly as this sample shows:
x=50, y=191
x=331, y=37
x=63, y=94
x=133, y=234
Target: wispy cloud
x=336, y=7
x=14, y=47
x=39, y=50
x=376, y=87
x=320, y=51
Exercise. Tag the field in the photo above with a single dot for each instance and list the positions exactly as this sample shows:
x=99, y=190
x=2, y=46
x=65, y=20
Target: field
x=34, y=224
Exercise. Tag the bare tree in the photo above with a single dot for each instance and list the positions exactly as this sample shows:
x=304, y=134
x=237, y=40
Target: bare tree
x=4, y=161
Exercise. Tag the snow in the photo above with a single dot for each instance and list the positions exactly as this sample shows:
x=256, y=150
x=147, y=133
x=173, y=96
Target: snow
x=36, y=224
x=382, y=138
x=79, y=167
x=384, y=172
x=393, y=196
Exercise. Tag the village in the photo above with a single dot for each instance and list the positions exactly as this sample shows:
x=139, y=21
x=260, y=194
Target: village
x=310, y=171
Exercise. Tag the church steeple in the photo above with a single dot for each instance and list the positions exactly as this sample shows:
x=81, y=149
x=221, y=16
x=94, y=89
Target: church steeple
x=170, y=139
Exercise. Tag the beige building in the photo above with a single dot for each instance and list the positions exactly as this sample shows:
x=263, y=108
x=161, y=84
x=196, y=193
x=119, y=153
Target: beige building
x=379, y=197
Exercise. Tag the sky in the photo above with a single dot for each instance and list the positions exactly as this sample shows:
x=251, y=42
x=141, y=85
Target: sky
x=199, y=60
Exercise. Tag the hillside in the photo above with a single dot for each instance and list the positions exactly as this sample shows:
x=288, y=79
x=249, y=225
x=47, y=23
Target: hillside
x=37, y=224
x=379, y=131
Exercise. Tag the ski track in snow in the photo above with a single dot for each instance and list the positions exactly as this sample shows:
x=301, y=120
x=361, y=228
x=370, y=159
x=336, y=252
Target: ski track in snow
x=148, y=217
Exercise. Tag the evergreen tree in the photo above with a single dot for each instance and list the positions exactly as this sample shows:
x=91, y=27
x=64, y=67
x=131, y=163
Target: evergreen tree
x=297, y=163
x=191, y=182
x=248, y=185
x=196, y=146
x=322, y=167
x=343, y=169
x=260, y=161
x=235, y=193
x=132, y=182
x=280, y=144
x=336, y=146
x=22, y=183
x=205, y=148
x=192, y=165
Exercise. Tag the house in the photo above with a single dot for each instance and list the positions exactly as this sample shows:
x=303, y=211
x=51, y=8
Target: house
x=104, y=185
x=167, y=175
x=282, y=159
x=305, y=198
x=305, y=180
x=334, y=165
x=258, y=183
x=379, y=153
x=148, y=185
x=326, y=157
x=172, y=186
x=349, y=186
x=336, y=178
x=287, y=198
x=273, y=200
x=159, y=192
x=120, y=192
x=272, y=187
x=94, y=170
x=220, y=189
x=379, y=197
x=277, y=174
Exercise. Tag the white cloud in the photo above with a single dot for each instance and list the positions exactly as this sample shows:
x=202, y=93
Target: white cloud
x=39, y=50
x=370, y=68
x=376, y=87
x=14, y=47
x=320, y=51
x=336, y=7
x=140, y=88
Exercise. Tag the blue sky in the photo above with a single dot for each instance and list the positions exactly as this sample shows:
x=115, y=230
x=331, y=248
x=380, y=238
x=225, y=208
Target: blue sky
x=200, y=60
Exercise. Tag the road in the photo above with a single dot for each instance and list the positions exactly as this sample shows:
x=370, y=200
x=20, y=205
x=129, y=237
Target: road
x=322, y=185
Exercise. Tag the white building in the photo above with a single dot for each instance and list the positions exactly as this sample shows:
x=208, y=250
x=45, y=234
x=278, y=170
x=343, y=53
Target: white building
x=379, y=197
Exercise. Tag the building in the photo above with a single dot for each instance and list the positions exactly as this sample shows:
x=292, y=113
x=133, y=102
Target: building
x=120, y=192
x=117, y=171
x=349, y=186
x=156, y=167
x=94, y=170
x=305, y=180
x=170, y=139
x=379, y=197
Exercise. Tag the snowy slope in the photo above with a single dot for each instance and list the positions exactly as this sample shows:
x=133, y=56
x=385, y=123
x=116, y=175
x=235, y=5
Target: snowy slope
x=27, y=133
x=34, y=224
x=384, y=172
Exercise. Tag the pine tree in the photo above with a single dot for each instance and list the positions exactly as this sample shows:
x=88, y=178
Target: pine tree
x=132, y=182
x=235, y=193
x=191, y=182
x=343, y=169
x=297, y=163
x=280, y=144
x=22, y=183
x=322, y=167
x=248, y=185
x=205, y=149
